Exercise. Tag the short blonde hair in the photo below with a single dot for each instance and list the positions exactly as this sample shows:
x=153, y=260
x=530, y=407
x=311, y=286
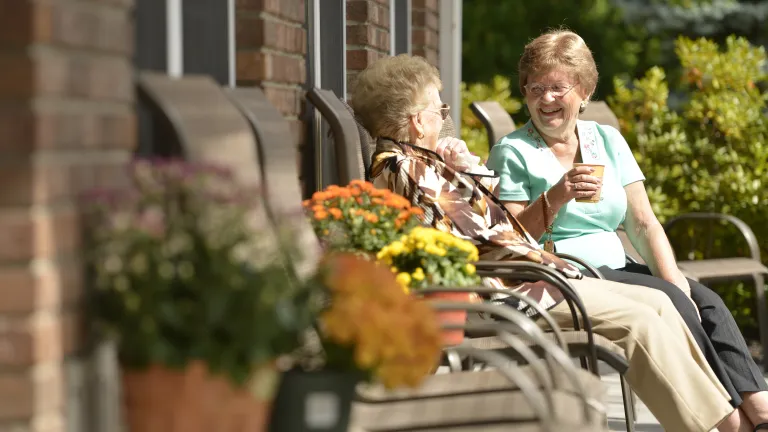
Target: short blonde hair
x=559, y=49
x=387, y=93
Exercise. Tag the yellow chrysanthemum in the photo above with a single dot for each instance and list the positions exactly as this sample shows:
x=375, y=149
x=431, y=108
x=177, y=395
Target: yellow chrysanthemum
x=404, y=279
x=418, y=274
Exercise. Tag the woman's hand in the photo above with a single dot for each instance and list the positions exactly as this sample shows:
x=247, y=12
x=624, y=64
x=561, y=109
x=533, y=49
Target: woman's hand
x=576, y=183
x=681, y=282
x=449, y=148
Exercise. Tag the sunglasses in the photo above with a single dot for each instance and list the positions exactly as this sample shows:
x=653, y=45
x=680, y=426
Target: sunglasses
x=444, y=111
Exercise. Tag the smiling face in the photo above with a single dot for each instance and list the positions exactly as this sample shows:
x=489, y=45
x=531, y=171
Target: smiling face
x=554, y=116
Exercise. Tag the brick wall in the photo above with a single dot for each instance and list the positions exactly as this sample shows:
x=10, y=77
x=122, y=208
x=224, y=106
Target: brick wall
x=368, y=37
x=425, y=35
x=271, y=44
x=66, y=124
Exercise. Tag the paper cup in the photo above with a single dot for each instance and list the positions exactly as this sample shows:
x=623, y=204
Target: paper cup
x=599, y=170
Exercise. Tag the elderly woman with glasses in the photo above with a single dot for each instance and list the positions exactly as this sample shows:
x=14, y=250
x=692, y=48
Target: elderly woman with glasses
x=398, y=100
x=576, y=211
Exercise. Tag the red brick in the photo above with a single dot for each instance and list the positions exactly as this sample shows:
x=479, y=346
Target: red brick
x=24, y=22
x=251, y=66
x=368, y=35
x=17, y=394
x=23, y=288
x=30, y=339
x=258, y=32
x=359, y=59
x=18, y=75
x=423, y=18
x=289, y=70
x=286, y=100
x=93, y=26
x=427, y=38
x=291, y=10
x=29, y=235
x=424, y=4
x=285, y=38
x=368, y=11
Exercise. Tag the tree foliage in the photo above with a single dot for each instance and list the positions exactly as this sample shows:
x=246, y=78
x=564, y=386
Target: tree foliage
x=495, y=33
x=706, y=148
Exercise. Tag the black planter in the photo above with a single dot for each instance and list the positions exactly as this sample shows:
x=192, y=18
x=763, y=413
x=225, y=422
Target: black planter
x=313, y=402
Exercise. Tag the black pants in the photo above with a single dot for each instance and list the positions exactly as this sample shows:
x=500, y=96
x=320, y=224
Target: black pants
x=717, y=334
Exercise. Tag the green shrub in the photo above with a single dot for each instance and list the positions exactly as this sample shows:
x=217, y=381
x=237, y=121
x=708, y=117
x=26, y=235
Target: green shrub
x=703, y=146
x=472, y=130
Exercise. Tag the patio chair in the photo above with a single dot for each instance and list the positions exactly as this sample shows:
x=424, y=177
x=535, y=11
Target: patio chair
x=584, y=343
x=274, y=157
x=496, y=120
x=505, y=396
x=703, y=269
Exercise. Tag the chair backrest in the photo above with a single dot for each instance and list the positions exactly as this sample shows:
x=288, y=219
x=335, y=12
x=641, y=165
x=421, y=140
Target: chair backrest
x=600, y=112
x=280, y=176
x=208, y=126
x=367, y=143
x=345, y=134
x=495, y=118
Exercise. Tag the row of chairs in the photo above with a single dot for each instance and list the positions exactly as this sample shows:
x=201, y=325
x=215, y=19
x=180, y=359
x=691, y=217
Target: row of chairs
x=532, y=384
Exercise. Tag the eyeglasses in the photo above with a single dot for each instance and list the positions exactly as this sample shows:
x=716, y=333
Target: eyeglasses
x=445, y=109
x=558, y=90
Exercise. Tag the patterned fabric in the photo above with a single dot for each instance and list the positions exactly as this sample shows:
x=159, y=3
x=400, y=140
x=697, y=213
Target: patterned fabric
x=465, y=206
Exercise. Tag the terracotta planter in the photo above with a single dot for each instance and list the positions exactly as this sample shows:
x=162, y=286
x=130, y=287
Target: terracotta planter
x=313, y=402
x=451, y=337
x=192, y=400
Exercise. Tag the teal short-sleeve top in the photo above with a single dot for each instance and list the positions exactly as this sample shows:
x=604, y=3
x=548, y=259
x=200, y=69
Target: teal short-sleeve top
x=527, y=168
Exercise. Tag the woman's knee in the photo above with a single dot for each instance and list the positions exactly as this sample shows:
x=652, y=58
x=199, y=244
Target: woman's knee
x=658, y=301
x=705, y=297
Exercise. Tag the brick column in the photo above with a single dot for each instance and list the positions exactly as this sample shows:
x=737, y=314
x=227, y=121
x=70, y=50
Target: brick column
x=271, y=44
x=66, y=123
x=425, y=32
x=368, y=38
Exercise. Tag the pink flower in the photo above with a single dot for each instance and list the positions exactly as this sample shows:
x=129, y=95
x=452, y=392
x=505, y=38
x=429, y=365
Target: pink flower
x=152, y=221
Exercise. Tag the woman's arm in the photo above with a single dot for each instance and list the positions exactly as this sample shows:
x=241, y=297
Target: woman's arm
x=648, y=237
x=532, y=216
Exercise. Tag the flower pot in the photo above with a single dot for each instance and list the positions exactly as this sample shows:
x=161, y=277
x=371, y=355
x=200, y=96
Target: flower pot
x=451, y=337
x=160, y=399
x=313, y=402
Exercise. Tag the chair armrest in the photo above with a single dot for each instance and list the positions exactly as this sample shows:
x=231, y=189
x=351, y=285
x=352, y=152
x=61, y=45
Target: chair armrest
x=743, y=228
x=521, y=297
x=515, y=375
x=536, y=272
x=519, y=320
x=589, y=267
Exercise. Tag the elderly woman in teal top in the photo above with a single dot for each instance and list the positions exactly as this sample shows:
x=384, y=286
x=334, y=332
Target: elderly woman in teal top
x=539, y=184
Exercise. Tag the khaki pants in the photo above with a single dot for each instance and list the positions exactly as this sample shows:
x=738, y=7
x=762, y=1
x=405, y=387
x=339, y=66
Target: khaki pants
x=666, y=368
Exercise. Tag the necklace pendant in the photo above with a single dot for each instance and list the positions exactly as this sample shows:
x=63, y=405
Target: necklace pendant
x=549, y=246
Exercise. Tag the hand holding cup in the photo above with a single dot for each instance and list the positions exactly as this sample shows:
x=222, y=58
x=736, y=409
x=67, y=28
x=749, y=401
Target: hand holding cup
x=583, y=183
